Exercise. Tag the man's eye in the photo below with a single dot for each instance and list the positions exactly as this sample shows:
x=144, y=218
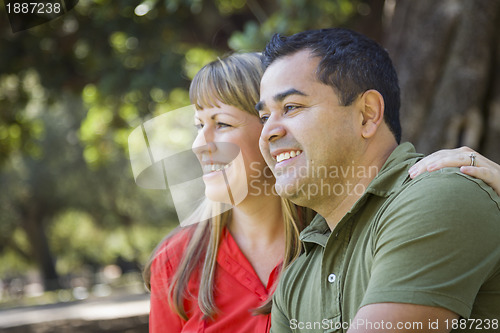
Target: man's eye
x=264, y=118
x=290, y=108
x=198, y=126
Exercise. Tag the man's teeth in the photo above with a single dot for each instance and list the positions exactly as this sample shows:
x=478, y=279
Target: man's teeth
x=285, y=156
x=207, y=168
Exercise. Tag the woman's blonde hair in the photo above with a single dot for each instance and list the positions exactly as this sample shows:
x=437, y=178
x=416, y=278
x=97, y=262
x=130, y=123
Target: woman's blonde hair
x=233, y=80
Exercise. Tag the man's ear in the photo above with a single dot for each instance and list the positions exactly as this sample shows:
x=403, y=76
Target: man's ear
x=372, y=112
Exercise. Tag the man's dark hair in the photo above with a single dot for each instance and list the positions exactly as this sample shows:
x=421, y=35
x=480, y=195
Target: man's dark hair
x=350, y=62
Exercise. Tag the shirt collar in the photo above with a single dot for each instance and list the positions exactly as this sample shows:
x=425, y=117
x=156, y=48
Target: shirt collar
x=394, y=171
x=392, y=175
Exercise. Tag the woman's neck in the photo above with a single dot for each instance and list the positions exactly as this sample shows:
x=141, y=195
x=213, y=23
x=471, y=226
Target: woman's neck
x=258, y=222
x=257, y=228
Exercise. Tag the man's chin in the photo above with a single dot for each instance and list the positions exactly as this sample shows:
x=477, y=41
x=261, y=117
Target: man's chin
x=287, y=190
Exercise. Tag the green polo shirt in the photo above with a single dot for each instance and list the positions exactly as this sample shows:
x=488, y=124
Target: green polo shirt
x=434, y=240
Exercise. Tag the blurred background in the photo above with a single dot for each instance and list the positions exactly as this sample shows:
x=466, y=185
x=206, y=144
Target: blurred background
x=75, y=228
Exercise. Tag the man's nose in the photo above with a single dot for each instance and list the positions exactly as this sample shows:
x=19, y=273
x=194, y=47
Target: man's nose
x=273, y=129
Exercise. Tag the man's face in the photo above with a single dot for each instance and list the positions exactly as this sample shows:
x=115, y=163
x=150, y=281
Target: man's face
x=306, y=131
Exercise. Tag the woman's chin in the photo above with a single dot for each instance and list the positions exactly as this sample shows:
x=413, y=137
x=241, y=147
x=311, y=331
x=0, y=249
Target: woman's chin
x=228, y=186
x=218, y=195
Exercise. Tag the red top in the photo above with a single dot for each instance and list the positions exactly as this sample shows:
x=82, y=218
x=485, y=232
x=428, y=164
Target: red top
x=238, y=290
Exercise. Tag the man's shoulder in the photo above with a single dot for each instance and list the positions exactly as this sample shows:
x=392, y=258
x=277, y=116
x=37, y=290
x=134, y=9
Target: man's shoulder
x=453, y=177
x=444, y=199
x=447, y=188
x=436, y=241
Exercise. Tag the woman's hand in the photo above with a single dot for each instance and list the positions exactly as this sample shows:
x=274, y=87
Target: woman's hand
x=463, y=157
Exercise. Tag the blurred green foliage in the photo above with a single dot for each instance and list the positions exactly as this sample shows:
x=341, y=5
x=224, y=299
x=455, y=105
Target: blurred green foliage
x=71, y=91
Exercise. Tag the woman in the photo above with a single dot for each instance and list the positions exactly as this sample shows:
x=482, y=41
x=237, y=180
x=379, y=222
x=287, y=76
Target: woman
x=218, y=275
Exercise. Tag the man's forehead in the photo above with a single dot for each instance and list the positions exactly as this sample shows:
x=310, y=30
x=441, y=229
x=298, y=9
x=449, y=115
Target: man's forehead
x=294, y=67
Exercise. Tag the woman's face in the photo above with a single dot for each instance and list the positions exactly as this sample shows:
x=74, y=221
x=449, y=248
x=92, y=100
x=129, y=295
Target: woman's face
x=227, y=146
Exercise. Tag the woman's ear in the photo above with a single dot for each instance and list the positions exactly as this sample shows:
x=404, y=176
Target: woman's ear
x=372, y=112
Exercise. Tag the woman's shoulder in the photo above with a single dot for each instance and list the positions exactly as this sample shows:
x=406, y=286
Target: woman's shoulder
x=172, y=247
x=176, y=241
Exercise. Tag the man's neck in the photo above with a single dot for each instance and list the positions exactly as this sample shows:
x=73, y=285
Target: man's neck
x=334, y=209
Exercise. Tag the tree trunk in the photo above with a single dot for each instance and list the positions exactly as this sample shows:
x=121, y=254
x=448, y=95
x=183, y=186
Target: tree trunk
x=448, y=61
x=42, y=255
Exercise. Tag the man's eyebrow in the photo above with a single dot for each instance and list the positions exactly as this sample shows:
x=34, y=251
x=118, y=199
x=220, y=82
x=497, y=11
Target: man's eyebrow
x=280, y=97
x=260, y=106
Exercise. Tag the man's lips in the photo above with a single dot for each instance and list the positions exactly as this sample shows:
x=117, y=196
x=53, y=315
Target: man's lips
x=286, y=154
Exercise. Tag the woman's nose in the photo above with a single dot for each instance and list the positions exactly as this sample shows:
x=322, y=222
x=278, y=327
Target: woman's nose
x=204, y=142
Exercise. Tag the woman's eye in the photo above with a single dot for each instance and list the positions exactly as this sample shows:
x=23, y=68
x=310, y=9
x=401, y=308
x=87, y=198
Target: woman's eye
x=222, y=125
x=264, y=118
x=198, y=126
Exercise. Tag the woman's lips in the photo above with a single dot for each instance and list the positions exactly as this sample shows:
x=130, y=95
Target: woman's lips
x=209, y=168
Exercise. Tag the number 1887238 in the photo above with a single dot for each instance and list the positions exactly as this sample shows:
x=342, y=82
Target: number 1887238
x=473, y=324
x=33, y=8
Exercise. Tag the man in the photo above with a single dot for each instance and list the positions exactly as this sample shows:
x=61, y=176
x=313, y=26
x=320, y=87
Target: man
x=386, y=253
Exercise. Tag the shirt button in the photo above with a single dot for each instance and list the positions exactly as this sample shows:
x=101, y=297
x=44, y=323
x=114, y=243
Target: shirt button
x=331, y=278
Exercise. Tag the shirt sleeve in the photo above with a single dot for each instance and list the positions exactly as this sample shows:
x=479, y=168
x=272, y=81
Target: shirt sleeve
x=280, y=323
x=161, y=316
x=435, y=244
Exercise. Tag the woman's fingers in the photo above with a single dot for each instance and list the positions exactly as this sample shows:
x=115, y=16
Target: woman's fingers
x=489, y=174
x=470, y=162
x=443, y=159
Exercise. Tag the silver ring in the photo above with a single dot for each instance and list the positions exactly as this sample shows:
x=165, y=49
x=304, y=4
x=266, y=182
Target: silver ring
x=472, y=159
